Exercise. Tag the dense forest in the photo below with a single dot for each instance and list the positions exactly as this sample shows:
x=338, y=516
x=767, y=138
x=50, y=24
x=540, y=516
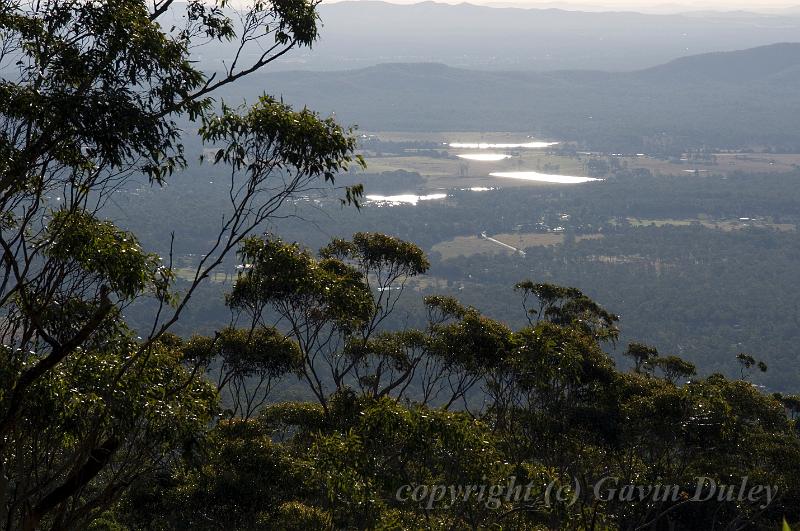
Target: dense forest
x=180, y=351
x=691, y=289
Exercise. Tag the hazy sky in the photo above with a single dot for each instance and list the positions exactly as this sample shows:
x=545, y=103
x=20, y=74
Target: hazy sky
x=641, y=5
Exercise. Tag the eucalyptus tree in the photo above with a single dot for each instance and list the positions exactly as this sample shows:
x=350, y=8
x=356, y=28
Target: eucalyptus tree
x=93, y=94
x=557, y=414
x=335, y=306
x=329, y=307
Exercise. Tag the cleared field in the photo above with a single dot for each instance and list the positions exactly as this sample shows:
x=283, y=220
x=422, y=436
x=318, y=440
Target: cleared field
x=449, y=172
x=187, y=273
x=493, y=137
x=723, y=163
x=467, y=246
x=426, y=166
x=534, y=239
x=453, y=172
x=471, y=245
x=728, y=225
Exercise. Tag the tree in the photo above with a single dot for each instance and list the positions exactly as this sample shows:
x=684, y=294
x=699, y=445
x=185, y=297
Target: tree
x=644, y=357
x=334, y=307
x=564, y=306
x=747, y=362
x=530, y=410
x=245, y=364
x=92, y=96
x=674, y=367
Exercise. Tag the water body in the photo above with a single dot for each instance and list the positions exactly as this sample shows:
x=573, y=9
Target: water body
x=408, y=199
x=528, y=145
x=485, y=157
x=543, y=177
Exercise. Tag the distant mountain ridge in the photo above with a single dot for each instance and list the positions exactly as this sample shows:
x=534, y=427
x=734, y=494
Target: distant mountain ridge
x=743, y=65
x=736, y=66
x=365, y=33
x=744, y=98
x=740, y=66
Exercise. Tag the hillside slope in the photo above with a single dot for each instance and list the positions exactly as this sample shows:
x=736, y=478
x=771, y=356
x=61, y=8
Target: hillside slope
x=726, y=100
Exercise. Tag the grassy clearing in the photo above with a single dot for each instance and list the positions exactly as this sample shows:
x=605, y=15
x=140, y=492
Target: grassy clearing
x=727, y=225
x=534, y=239
x=529, y=160
x=467, y=246
x=537, y=160
x=187, y=273
x=472, y=245
x=724, y=163
x=494, y=137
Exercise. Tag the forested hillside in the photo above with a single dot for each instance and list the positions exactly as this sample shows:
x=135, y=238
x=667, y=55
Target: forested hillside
x=687, y=287
x=733, y=100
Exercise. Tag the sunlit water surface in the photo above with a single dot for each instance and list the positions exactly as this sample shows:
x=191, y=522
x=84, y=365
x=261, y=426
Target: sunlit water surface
x=482, y=145
x=485, y=157
x=543, y=177
x=407, y=199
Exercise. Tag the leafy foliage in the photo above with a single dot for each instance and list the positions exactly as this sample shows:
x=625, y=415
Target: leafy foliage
x=95, y=95
x=467, y=401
